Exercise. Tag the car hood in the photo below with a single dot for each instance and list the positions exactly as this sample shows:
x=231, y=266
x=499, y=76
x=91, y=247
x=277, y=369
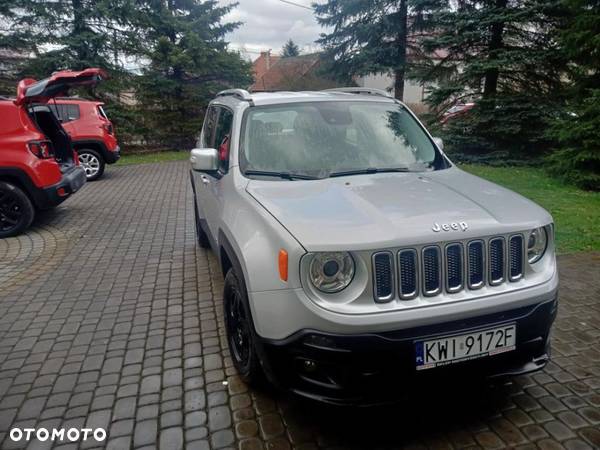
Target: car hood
x=32, y=91
x=394, y=209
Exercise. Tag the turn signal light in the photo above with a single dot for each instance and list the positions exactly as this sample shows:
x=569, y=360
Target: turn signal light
x=283, y=265
x=41, y=149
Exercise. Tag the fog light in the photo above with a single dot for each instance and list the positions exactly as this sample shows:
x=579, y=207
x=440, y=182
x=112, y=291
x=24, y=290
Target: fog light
x=61, y=192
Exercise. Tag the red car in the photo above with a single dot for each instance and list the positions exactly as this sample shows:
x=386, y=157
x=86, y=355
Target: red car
x=38, y=165
x=455, y=111
x=92, y=133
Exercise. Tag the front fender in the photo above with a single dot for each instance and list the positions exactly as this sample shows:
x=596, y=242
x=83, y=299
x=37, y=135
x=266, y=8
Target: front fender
x=255, y=238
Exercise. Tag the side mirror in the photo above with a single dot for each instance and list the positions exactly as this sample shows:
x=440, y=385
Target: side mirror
x=204, y=159
x=439, y=142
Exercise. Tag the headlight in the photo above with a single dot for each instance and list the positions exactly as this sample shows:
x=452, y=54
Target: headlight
x=536, y=245
x=332, y=271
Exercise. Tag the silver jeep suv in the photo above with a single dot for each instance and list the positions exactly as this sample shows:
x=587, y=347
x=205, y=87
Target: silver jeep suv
x=356, y=254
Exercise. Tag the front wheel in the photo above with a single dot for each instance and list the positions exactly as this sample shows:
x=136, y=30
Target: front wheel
x=241, y=336
x=16, y=210
x=92, y=162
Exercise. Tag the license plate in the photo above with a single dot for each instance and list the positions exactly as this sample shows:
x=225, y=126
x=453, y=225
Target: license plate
x=463, y=347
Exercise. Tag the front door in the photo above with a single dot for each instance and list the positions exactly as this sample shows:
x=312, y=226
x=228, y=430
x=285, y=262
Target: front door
x=209, y=190
x=214, y=185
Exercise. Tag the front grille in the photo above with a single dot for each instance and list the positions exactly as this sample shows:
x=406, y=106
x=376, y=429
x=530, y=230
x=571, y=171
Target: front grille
x=476, y=264
x=460, y=265
x=454, y=267
x=516, y=257
x=383, y=276
x=408, y=268
x=496, y=259
x=432, y=282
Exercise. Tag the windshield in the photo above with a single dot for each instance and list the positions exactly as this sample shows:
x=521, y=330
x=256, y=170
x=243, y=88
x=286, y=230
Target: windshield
x=324, y=138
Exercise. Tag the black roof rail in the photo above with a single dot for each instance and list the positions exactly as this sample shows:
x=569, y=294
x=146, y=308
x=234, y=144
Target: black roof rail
x=361, y=90
x=242, y=94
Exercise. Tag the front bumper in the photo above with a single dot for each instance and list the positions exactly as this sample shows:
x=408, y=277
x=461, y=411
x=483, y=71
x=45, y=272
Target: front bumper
x=371, y=367
x=72, y=180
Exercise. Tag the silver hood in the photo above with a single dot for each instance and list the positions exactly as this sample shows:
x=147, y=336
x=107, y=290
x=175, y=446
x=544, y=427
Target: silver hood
x=386, y=210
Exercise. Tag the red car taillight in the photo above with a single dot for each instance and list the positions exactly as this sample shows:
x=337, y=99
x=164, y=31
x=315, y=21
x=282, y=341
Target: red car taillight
x=41, y=149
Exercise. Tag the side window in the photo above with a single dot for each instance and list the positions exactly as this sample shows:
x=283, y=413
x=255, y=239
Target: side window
x=72, y=112
x=56, y=111
x=208, y=132
x=223, y=137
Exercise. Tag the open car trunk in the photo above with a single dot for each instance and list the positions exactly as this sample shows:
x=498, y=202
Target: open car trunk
x=35, y=95
x=46, y=122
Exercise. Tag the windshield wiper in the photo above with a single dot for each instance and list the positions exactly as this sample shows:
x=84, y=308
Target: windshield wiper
x=369, y=170
x=284, y=175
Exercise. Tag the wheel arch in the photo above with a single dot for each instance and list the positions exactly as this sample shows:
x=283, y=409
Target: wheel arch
x=91, y=145
x=20, y=179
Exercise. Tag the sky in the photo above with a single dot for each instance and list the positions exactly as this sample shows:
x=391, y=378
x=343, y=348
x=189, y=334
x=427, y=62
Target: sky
x=268, y=24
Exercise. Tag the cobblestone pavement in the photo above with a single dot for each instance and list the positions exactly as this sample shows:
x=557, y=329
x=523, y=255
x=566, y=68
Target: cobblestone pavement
x=110, y=317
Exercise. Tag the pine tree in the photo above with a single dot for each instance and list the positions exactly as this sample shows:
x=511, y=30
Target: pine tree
x=368, y=36
x=70, y=34
x=577, y=129
x=189, y=62
x=502, y=55
x=290, y=49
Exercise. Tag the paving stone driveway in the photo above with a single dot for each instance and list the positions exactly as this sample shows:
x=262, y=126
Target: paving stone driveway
x=110, y=317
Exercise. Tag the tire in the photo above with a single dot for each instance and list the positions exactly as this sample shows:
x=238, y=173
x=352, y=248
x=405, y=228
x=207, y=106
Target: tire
x=239, y=328
x=92, y=162
x=16, y=210
x=201, y=236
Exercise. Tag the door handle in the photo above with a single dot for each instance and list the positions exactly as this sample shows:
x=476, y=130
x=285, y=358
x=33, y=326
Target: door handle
x=205, y=179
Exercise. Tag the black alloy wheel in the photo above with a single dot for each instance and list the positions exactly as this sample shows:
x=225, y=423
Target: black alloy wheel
x=240, y=331
x=16, y=210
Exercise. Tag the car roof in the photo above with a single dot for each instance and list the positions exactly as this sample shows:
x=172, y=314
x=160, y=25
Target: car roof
x=283, y=97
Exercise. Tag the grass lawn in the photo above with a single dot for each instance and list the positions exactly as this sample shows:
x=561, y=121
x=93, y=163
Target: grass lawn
x=143, y=158
x=576, y=213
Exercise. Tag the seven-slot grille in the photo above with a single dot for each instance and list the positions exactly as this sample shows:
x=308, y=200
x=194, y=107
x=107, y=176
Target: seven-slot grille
x=451, y=267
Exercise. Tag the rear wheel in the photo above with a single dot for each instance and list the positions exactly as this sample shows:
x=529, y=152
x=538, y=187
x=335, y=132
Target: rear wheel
x=92, y=162
x=241, y=336
x=16, y=210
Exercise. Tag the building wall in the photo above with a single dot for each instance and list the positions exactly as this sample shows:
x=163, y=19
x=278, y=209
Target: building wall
x=414, y=93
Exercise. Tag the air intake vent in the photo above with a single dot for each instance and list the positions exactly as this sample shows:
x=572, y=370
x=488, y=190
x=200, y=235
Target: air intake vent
x=454, y=267
x=432, y=274
x=496, y=261
x=516, y=257
x=383, y=276
x=408, y=268
x=476, y=264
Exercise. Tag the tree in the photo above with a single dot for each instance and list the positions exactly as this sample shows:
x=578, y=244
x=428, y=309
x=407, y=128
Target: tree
x=189, y=62
x=290, y=49
x=71, y=34
x=368, y=36
x=577, y=129
x=503, y=56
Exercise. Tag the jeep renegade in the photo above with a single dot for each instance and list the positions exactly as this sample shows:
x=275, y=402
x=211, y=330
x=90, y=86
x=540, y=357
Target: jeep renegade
x=38, y=166
x=91, y=132
x=356, y=255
